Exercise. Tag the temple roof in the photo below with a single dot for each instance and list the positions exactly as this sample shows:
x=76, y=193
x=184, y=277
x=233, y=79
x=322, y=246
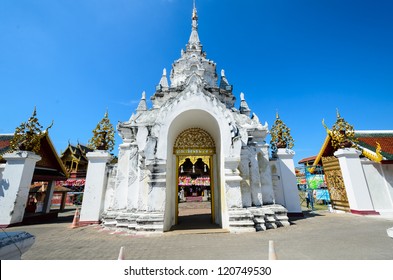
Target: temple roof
x=376, y=145
x=5, y=144
x=369, y=139
x=79, y=151
x=307, y=160
x=49, y=167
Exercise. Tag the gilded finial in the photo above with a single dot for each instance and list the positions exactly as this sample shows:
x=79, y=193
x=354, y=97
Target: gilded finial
x=103, y=135
x=342, y=134
x=194, y=11
x=325, y=126
x=27, y=136
x=280, y=135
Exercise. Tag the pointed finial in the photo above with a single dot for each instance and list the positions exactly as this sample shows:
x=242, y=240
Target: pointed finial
x=337, y=113
x=163, y=81
x=242, y=96
x=194, y=12
x=143, y=95
x=325, y=126
x=222, y=73
x=277, y=115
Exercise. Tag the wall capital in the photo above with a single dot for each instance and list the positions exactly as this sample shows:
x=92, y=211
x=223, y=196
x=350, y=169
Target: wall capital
x=21, y=155
x=99, y=156
x=347, y=152
x=285, y=153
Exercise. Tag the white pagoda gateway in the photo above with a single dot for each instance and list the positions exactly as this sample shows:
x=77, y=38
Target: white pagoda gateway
x=193, y=143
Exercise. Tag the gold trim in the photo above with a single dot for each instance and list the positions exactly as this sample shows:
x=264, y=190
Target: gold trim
x=209, y=162
x=374, y=156
x=177, y=191
x=193, y=159
x=212, y=209
x=194, y=151
x=195, y=143
x=321, y=151
x=194, y=138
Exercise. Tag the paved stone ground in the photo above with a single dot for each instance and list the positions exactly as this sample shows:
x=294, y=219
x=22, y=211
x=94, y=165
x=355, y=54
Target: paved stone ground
x=320, y=235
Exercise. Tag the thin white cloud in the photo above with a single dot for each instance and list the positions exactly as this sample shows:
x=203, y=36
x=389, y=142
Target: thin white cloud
x=129, y=103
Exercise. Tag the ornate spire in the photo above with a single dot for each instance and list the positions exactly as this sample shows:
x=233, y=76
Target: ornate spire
x=27, y=136
x=103, y=135
x=342, y=134
x=224, y=84
x=244, y=109
x=194, y=44
x=142, y=106
x=164, y=80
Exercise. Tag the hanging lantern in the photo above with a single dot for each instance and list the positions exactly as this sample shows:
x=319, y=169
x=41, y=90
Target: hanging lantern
x=193, y=169
x=204, y=168
x=181, y=169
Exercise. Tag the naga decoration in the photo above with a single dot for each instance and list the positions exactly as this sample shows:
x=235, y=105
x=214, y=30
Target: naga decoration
x=27, y=136
x=103, y=135
x=342, y=134
x=280, y=136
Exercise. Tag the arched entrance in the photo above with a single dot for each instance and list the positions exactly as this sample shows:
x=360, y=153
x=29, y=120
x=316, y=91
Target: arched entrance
x=194, y=149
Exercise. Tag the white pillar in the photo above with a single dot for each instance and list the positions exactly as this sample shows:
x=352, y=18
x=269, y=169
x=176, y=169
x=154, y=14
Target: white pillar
x=93, y=196
x=265, y=174
x=355, y=182
x=15, y=186
x=121, y=186
x=232, y=183
x=244, y=168
x=288, y=178
x=49, y=196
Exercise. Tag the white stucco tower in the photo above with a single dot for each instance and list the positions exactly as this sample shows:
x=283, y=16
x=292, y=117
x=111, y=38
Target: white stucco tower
x=192, y=116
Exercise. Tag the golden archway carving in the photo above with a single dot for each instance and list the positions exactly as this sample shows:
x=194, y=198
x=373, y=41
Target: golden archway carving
x=194, y=141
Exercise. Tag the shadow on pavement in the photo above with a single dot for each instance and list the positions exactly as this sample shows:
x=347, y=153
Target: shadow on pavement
x=307, y=214
x=196, y=221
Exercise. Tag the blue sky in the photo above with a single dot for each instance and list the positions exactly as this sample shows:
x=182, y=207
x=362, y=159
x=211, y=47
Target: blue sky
x=74, y=60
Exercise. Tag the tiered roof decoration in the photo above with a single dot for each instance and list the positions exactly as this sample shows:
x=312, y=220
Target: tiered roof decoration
x=280, y=135
x=376, y=145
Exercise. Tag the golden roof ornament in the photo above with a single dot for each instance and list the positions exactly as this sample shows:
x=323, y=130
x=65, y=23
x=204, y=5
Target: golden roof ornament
x=374, y=156
x=342, y=134
x=27, y=136
x=103, y=135
x=280, y=135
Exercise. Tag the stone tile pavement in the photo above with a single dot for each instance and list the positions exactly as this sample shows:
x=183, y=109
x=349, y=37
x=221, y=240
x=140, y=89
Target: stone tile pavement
x=319, y=235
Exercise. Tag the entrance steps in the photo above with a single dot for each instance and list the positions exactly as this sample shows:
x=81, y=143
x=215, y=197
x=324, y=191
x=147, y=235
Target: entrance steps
x=253, y=219
x=241, y=220
x=134, y=222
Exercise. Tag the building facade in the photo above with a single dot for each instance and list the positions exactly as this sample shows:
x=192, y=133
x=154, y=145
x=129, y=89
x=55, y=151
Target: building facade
x=192, y=140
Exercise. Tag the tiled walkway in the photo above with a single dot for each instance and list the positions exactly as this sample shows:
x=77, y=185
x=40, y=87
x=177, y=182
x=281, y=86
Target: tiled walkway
x=320, y=235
